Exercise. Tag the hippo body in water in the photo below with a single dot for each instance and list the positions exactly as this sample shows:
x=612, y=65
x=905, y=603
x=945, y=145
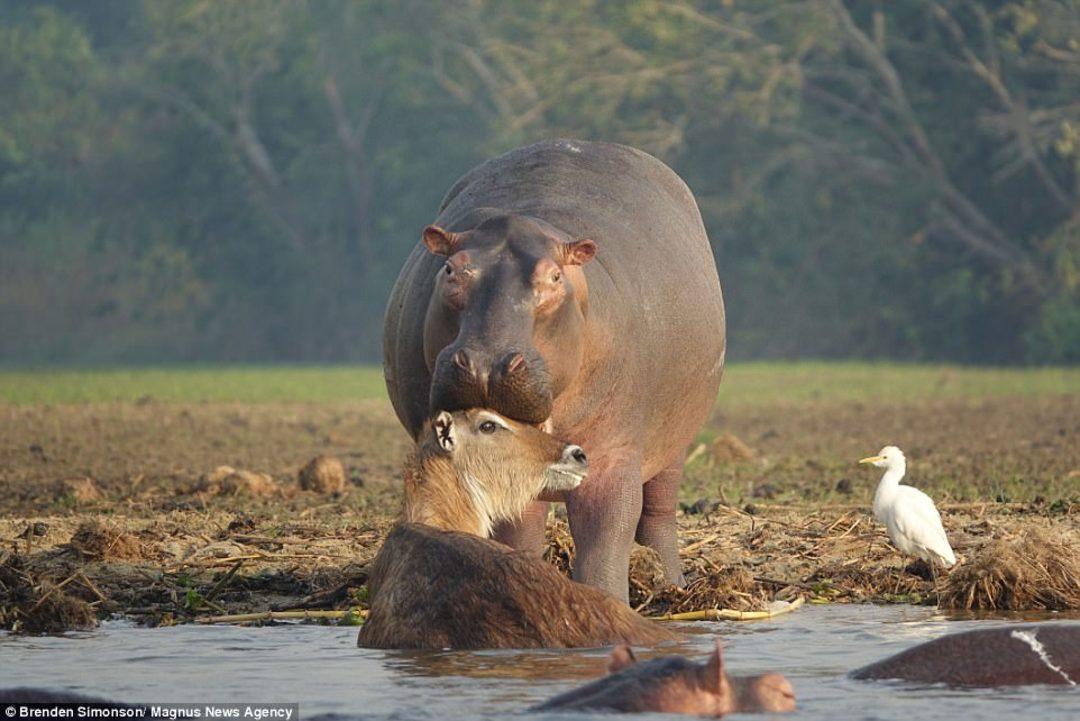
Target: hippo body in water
x=1011, y=656
x=673, y=684
x=570, y=284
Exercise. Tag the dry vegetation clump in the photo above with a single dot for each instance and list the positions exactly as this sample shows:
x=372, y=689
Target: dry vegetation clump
x=711, y=586
x=228, y=481
x=708, y=585
x=1029, y=571
x=869, y=581
x=80, y=489
x=646, y=576
x=560, y=548
x=103, y=541
x=323, y=474
x=30, y=603
x=729, y=448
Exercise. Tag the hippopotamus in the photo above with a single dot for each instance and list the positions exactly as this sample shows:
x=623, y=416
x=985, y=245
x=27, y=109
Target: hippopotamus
x=1009, y=656
x=673, y=684
x=43, y=696
x=570, y=285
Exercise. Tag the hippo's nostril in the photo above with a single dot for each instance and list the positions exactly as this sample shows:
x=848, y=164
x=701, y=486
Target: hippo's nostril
x=462, y=361
x=515, y=363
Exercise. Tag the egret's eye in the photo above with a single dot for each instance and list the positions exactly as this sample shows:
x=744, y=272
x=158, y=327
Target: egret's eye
x=488, y=427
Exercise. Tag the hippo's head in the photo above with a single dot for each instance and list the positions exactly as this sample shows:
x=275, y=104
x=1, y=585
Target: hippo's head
x=505, y=323
x=676, y=685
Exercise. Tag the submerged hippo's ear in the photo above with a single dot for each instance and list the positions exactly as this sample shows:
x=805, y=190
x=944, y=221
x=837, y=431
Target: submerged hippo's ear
x=713, y=676
x=445, y=433
x=578, y=252
x=441, y=242
x=621, y=657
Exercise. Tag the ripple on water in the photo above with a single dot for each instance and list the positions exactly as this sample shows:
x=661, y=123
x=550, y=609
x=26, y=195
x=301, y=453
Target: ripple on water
x=321, y=668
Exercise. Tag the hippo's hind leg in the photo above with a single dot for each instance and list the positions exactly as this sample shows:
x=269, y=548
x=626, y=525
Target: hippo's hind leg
x=657, y=527
x=528, y=533
x=603, y=513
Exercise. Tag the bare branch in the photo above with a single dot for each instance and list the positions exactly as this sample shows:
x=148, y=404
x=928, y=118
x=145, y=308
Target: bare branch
x=1016, y=111
x=980, y=233
x=356, y=170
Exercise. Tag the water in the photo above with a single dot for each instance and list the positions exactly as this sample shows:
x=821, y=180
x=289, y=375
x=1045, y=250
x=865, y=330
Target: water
x=321, y=668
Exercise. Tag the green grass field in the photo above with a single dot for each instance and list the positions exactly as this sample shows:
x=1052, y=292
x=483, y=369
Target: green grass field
x=743, y=382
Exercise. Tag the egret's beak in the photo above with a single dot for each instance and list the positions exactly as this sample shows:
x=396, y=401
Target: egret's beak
x=872, y=459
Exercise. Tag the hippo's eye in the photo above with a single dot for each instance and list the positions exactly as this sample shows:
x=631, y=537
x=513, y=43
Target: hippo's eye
x=488, y=427
x=556, y=277
x=449, y=269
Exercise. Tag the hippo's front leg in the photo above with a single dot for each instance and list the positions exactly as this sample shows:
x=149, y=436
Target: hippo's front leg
x=603, y=514
x=528, y=533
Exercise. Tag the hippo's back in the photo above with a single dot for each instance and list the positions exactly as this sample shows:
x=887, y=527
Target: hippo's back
x=1010, y=656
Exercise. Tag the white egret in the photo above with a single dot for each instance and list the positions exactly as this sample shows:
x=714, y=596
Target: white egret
x=909, y=515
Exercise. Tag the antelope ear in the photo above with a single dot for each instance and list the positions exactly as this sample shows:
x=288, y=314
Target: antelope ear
x=578, y=252
x=445, y=433
x=441, y=242
x=712, y=673
x=621, y=657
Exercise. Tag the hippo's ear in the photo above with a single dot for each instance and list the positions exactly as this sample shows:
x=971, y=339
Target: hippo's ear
x=441, y=242
x=621, y=657
x=578, y=252
x=445, y=433
x=713, y=676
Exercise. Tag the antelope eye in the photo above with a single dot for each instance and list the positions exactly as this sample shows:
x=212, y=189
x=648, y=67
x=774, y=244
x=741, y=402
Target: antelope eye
x=488, y=427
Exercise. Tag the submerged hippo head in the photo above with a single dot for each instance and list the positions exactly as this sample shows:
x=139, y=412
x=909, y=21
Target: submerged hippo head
x=676, y=685
x=673, y=684
x=505, y=322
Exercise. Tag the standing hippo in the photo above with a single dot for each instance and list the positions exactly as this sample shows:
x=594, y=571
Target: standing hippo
x=570, y=284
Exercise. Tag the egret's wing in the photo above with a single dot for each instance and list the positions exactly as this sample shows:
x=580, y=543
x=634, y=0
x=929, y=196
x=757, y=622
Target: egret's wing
x=920, y=521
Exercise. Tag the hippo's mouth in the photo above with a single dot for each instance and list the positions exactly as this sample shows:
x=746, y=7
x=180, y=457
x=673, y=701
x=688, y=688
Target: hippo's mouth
x=524, y=395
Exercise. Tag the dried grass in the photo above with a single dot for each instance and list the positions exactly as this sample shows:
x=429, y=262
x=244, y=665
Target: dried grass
x=228, y=481
x=1030, y=571
x=729, y=448
x=80, y=489
x=33, y=604
x=731, y=587
x=323, y=474
x=103, y=541
x=708, y=585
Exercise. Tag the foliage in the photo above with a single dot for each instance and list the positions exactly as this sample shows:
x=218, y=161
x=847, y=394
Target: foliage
x=240, y=181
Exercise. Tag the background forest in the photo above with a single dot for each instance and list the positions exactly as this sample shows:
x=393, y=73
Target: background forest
x=196, y=180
